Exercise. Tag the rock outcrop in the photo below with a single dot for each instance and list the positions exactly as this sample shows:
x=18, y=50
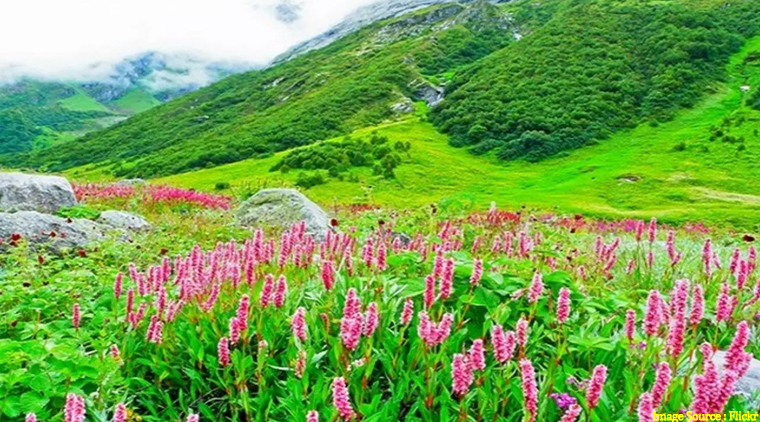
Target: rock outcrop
x=57, y=232
x=748, y=386
x=281, y=208
x=363, y=17
x=124, y=220
x=27, y=192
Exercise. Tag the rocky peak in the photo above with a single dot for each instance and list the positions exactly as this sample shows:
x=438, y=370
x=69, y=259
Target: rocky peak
x=384, y=9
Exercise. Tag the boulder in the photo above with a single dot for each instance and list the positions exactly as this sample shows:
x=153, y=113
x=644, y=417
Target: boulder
x=748, y=385
x=124, y=220
x=38, y=228
x=281, y=208
x=131, y=182
x=27, y=192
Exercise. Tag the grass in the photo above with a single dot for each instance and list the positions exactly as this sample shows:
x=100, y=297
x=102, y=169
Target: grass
x=136, y=101
x=82, y=102
x=635, y=173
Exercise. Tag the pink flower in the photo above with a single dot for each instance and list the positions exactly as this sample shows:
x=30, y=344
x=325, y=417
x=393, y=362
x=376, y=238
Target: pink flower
x=312, y=416
x=118, y=285
x=522, y=332
x=298, y=324
x=536, y=288
x=639, y=230
x=193, y=418
x=429, y=291
x=382, y=253
x=300, y=364
x=447, y=279
x=563, y=305
x=477, y=356
x=281, y=289
x=242, y=312
x=630, y=324
x=130, y=300
x=367, y=252
x=677, y=328
x=352, y=305
x=631, y=266
x=328, y=275
x=406, y=313
x=503, y=343
x=212, y=297
x=115, y=353
x=650, y=259
x=371, y=320
x=571, y=414
x=351, y=330
x=155, y=329
x=341, y=400
x=529, y=388
x=596, y=385
x=461, y=375
x=74, y=411
x=697, y=305
x=431, y=333
x=76, y=316
x=652, y=229
x=736, y=357
x=120, y=414
x=266, y=290
x=30, y=417
x=653, y=316
x=661, y=383
x=707, y=257
x=444, y=328
x=646, y=408
x=725, y=305
x=223, y=350
x=477, y=271
x=733, y=264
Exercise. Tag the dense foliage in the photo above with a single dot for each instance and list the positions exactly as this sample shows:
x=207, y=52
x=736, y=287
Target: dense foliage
x=482, y=316
x=339, y=156
x=592, y=69
x=324, y=94
x=27, y=108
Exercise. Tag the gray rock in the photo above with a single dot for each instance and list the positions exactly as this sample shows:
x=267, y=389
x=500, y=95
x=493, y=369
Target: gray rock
x=362, y=17
x=402, y=237
x=131, y=182
x=424, y=91
x=124, y=220
x=27, y=192
x=747, y=386
x=57, y=232
x=404, y=106
x=281, y=208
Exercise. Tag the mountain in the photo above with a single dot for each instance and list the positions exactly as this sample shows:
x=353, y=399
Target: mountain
x=362, y=17
x=632, y=106
x=37, y=113
x=362, y=79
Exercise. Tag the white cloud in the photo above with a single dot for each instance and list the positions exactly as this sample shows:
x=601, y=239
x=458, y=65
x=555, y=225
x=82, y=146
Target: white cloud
x=82, y=39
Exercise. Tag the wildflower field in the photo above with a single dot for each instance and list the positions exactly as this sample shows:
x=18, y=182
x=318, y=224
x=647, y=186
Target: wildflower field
x=432, y=314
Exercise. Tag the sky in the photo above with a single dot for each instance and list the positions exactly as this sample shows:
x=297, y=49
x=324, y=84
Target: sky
x=83, y=39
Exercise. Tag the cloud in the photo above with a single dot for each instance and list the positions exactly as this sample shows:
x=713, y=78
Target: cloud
x=83, y=39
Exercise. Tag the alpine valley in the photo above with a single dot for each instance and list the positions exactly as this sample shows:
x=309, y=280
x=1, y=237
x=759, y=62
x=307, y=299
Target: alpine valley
x=638, y=107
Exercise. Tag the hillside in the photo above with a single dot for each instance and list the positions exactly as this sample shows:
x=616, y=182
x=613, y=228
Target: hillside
x=679, y=170
x=39, y=113
x=658, y=109
x=361, y=80
x=522, y=80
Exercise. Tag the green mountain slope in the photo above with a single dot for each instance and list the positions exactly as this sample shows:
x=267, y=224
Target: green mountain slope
x=593, y=69
x=678, y=171
x=350, y=84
